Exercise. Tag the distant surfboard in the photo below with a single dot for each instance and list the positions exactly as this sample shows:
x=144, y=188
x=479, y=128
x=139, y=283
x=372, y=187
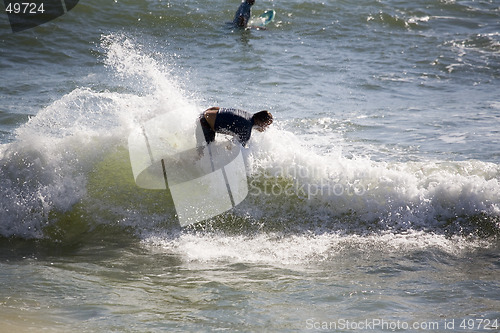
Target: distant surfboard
x=263, y=20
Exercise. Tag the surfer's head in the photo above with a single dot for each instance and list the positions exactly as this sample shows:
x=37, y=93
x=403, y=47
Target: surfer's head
x=262, y=119
x=250, y=2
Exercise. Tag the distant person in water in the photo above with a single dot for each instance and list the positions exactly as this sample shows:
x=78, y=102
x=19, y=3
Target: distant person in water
x=237, y=123
x=243, y=13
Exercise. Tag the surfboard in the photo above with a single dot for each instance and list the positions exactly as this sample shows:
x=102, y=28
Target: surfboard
x=262, y=20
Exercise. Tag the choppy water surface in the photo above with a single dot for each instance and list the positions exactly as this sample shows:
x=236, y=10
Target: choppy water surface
x=373, y=200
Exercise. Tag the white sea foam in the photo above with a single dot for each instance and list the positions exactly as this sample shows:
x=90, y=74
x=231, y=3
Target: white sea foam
x=276, y=249
x=419, y=194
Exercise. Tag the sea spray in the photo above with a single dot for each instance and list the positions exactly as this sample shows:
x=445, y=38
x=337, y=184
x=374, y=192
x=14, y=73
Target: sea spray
x=45, y=170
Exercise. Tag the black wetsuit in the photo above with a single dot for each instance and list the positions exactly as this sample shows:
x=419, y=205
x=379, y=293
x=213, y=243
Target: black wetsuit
x=242, y=15
x=235, y=122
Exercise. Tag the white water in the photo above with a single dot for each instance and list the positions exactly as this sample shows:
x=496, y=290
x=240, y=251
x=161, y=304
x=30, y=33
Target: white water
x=47, y=166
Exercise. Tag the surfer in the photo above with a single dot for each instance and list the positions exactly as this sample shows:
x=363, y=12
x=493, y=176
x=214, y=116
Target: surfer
x=235, y=122
x=243, y=13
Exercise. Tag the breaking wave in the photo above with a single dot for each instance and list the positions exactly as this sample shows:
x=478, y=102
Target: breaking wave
x=67, y=171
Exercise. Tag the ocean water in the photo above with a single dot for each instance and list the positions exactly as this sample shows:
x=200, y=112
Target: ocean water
x=374, y=198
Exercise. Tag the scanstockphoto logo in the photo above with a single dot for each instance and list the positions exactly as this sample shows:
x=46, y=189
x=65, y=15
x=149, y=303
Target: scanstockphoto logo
x=25, y=14
x=306, y=183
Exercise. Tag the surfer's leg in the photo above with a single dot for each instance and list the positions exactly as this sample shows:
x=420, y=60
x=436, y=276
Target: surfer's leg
x=203, y=128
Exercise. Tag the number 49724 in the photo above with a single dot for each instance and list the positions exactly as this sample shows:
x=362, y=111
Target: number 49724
x=24, y=8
